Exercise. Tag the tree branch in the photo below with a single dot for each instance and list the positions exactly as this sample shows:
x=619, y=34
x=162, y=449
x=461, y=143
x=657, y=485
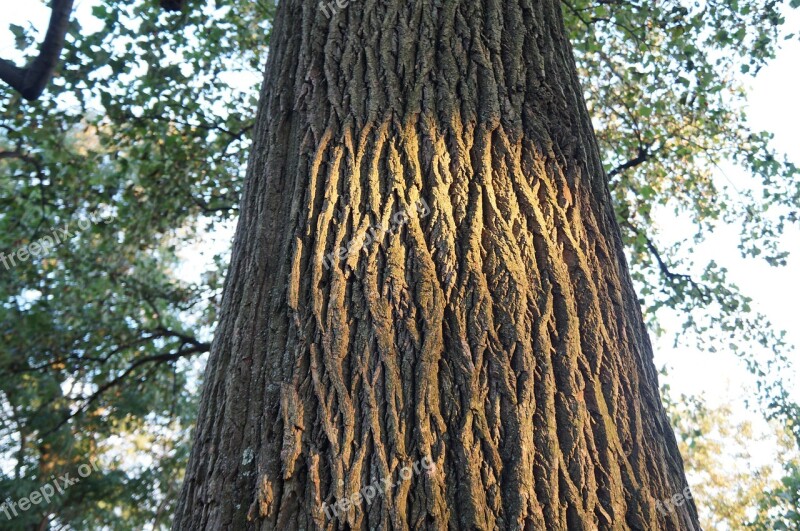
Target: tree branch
x=673, y=278
x=642, y=157
x=172, y=5
x=198, y=348
x=19, y=155
x=31, y=80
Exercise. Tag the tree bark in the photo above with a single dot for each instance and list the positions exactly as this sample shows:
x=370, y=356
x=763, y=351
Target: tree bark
x=31, y=81
x=493, y=331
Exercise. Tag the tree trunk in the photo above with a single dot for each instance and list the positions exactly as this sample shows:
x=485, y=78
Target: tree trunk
x=428, y=321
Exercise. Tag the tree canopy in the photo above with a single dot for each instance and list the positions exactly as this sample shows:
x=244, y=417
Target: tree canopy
x=137, y=150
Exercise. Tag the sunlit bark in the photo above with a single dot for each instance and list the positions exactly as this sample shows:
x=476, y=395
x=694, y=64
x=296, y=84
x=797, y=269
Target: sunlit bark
x=492, y=330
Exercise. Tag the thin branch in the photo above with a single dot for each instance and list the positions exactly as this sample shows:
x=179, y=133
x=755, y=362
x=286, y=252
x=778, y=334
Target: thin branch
x=161, y=358
x=40, y=175
x=31, y=80
x=19, y=155
x=77, y=358
x=158, y=333
x=643, y=156
x=234, y=135
x=674, y=278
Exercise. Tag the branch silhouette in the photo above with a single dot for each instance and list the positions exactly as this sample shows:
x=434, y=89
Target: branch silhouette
x=31, y=80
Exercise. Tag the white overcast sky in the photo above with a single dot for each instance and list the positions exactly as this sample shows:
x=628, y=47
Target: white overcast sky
x=776, y=292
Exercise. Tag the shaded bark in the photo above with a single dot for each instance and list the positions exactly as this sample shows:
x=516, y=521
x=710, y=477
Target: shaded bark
x=172, y=5
x=497, y=334
x=31, y=80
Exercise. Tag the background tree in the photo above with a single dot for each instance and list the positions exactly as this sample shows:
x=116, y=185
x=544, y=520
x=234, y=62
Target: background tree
x=738, y=487
x=779, y=507
x=156, y=109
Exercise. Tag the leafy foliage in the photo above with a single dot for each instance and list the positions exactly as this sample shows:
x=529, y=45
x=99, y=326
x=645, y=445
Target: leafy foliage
x=733, y=491
x=142, y=138
x=137, y=150
x=663, y=83
x=779, y=507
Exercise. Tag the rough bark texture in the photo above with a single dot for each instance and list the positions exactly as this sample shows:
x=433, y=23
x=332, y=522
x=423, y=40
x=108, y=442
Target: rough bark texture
x=497, y=334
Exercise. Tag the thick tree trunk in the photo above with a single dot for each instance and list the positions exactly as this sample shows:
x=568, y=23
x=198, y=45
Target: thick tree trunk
x=476, y=357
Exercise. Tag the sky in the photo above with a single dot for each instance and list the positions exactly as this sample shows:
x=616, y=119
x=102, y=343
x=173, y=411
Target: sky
x=773, y=106
x=721, y=378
